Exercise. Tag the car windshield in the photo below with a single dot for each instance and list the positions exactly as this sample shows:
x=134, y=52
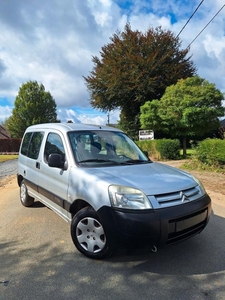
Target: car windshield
x=101, y=148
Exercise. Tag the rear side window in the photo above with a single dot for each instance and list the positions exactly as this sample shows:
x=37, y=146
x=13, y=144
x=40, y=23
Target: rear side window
x=32, y=144
x=25, y=144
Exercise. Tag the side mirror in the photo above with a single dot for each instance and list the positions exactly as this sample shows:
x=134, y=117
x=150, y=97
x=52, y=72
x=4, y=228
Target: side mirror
x=55, y=160
x=145, y=153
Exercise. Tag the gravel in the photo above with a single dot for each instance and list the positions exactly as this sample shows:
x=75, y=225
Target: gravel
x=8, y=168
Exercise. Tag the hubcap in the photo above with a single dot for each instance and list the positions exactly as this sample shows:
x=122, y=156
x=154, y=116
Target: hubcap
x=22, y=192
x=90, y=235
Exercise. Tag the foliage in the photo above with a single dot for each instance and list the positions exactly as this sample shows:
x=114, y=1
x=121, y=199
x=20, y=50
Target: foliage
x=150, y=147
x=33, y=105
x=134, y=68
x=168, y=149
x=211, y=152
x=161, y=149
x=131, y=127
x=189, y=108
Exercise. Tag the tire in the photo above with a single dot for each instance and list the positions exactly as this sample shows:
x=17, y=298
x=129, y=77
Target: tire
x=25, y=199
x=88, y=234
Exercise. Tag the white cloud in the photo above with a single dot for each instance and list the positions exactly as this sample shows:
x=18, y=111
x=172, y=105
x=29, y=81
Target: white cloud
x=5, y=113
x=55, y=46
x=88, y=116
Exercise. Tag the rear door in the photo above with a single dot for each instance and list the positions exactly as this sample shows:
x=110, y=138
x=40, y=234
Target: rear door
x=28, y=160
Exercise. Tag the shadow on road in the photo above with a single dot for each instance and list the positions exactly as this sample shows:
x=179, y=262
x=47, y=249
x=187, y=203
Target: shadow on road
x=48, y=271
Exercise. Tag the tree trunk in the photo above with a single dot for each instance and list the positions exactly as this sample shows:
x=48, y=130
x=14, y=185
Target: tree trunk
x=184, y=146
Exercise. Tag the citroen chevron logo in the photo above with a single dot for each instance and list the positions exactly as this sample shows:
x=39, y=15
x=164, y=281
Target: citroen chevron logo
x=183, y=197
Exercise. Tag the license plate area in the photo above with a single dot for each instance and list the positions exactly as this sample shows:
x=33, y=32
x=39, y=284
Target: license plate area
x=185, y=227
x=189, y=222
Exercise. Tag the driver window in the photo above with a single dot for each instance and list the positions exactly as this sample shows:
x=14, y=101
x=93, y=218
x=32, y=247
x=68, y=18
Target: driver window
x=53, y=144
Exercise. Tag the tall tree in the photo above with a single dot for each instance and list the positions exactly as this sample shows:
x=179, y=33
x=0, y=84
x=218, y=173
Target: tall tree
x=191, y=107
x=135, y=68
x=33, y=105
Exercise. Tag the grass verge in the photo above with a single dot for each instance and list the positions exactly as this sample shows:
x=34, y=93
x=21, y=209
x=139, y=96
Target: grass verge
x=5, y=157
x=193, y=164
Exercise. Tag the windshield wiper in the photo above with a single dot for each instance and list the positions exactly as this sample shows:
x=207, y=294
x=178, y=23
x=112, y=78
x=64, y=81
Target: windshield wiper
x=126, y=162
x=137, y=161
x=98, y=160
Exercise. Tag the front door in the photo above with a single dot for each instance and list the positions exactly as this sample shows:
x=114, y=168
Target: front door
x=53, y=182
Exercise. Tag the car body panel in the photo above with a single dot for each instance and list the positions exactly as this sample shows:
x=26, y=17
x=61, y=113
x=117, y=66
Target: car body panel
x=179, y=209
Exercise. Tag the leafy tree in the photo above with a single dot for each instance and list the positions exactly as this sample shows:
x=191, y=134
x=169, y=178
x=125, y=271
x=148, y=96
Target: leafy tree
x=189, y=108
x=135, y=68
x=33, y=105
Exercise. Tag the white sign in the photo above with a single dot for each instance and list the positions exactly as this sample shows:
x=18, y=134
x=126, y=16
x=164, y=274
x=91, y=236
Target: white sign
x=146, y=135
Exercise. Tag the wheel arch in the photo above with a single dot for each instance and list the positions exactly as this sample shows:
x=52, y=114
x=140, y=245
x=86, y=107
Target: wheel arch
x=78, y=205
x=19, y=179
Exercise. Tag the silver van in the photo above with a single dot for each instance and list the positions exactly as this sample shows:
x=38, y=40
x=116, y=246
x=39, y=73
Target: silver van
x=98, y=180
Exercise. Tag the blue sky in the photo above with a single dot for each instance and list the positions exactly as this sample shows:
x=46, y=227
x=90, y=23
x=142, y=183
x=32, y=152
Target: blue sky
x=53, y=42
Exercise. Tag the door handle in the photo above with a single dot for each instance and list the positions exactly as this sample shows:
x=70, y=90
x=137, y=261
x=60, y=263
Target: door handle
x=38, y=165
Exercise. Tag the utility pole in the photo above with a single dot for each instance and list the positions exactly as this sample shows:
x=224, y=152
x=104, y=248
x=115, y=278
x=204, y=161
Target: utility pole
x=108, y=118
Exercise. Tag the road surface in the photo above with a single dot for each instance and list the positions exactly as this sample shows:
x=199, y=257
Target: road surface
x=39, y=261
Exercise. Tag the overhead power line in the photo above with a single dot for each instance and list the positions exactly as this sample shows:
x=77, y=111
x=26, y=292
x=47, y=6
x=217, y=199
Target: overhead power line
x=180, y=33
x=190, y=17
x=206, y=26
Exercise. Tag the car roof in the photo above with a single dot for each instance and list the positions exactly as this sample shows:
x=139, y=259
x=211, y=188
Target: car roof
x=65, y=127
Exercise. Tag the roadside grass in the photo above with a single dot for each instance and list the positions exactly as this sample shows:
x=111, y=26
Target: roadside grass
x=190, y=153
x=192, y=163
x=5, y=157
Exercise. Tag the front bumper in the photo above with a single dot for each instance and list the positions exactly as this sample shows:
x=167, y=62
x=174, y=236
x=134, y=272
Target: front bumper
x=157, y=227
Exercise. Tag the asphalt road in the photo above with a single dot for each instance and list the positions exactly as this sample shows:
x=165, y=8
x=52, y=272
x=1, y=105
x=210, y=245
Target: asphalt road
x=8, y=168
x=38, y=261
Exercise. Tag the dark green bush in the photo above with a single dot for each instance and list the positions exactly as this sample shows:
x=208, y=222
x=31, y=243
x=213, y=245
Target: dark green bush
x=211, y=152
x=161, y=149
x=168, y=149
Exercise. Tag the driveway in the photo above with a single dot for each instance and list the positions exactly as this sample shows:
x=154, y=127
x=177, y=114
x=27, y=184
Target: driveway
x=39, y=261
x=8, y=168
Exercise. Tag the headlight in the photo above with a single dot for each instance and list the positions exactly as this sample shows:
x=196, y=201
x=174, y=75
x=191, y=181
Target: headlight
x=127, y=197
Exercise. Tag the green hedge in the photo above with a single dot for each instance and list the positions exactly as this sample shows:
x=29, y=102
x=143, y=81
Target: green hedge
x=168, y=149
x=150, y=147
x=211, y=152
x=161, y=149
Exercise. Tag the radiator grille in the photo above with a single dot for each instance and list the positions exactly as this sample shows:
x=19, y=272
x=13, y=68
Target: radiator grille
x=170, y=199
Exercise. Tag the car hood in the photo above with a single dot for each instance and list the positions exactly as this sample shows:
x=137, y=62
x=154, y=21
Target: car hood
x=152, y=178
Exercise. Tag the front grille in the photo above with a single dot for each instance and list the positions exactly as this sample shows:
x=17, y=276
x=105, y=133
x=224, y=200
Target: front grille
x=170, y=199
x=183, y=228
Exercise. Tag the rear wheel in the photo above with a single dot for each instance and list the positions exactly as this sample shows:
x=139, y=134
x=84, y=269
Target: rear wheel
x=25, y=199
x=88, y=234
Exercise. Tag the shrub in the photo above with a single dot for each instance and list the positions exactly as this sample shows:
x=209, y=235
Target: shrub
x=168, y=149
x=150, y=147
x=161, y=149
x=211, y=152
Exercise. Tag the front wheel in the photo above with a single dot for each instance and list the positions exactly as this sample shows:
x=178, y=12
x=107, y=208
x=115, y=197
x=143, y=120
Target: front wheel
x=88, y=234
x=25, y=199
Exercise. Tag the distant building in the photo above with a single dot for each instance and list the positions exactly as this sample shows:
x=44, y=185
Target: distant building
x=222, y=123
x=4, y=134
